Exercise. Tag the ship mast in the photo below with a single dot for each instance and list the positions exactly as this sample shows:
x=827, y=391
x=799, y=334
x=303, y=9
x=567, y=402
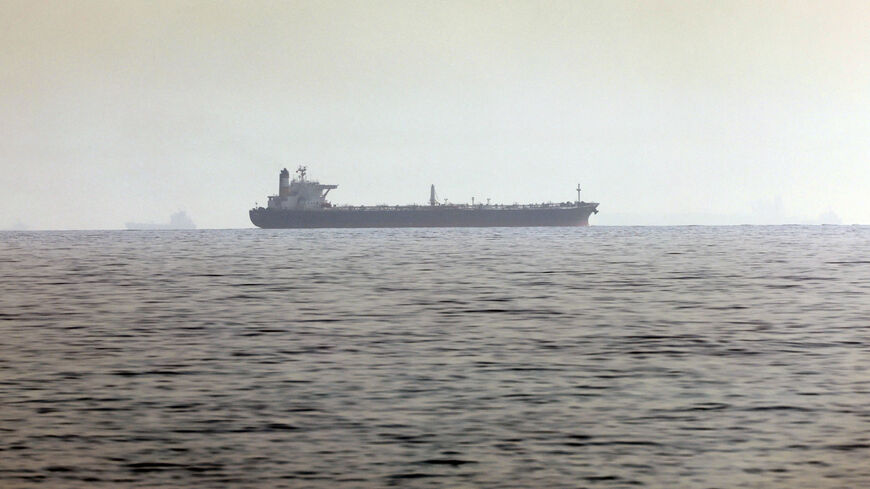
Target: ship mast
x=578, y=192
x=433, y=199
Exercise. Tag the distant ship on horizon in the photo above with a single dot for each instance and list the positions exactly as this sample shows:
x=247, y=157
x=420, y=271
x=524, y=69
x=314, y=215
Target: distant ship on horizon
x=301, y=203
x=178, y=220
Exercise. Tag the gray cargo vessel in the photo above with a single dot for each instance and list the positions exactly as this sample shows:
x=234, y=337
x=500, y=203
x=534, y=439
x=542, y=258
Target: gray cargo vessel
x=302, y=203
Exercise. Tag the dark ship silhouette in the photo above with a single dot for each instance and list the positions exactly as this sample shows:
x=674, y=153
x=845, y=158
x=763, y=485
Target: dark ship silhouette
x=301, y=203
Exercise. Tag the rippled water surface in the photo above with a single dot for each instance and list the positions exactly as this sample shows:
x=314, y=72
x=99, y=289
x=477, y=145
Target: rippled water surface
x=494, y=358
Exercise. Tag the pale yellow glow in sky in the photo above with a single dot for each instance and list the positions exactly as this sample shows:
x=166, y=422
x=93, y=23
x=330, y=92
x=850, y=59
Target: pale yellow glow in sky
x=667, y=112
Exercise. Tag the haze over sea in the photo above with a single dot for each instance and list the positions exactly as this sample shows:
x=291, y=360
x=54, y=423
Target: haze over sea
x=694, y=357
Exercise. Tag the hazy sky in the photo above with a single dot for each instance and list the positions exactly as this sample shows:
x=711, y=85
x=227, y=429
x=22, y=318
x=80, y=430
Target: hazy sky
x=665, y=112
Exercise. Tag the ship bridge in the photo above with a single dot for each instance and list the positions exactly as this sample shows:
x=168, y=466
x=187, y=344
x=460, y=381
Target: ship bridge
x=300, y=193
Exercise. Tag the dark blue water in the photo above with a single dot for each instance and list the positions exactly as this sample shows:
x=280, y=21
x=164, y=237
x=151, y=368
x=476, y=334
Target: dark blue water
x=524, y=358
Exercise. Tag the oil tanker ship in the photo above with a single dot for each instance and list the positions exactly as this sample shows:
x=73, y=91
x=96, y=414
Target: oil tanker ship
x=301, y=203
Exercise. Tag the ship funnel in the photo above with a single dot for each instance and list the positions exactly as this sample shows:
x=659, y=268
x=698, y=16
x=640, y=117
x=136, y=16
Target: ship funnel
x=284, y=183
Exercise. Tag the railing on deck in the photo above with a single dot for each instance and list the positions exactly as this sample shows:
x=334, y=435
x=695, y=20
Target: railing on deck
x=414, y=207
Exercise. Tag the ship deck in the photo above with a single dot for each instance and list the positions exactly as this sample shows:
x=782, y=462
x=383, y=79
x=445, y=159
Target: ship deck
x=422, y=207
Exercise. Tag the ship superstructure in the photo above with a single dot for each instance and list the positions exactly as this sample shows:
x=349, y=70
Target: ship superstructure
x=300, y=193
x=301, y=203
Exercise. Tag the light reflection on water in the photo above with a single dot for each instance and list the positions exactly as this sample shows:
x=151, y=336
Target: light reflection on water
x=563, y=357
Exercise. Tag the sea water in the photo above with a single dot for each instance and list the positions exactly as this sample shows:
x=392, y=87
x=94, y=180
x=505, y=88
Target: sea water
x=494, y=358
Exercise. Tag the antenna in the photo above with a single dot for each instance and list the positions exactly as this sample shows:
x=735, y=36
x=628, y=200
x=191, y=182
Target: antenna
x=301, y=171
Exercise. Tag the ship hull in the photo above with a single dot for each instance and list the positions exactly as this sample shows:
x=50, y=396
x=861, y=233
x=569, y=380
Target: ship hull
x=446, y=216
